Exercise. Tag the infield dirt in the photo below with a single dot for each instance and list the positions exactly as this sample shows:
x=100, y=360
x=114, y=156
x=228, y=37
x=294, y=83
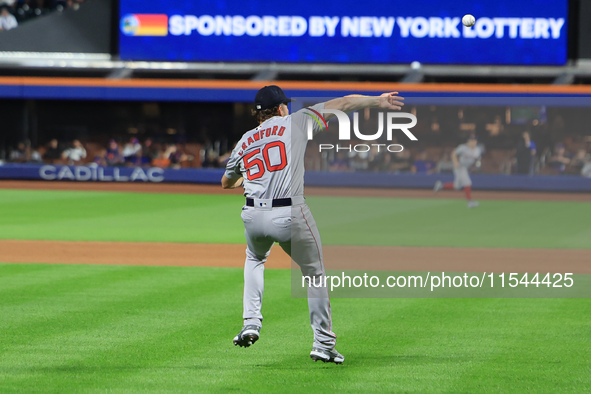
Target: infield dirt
x=336, y=257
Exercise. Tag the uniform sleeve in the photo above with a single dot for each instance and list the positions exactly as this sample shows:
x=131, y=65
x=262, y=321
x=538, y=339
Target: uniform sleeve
x=233, y=170
x=459, y=151
x=309, y=115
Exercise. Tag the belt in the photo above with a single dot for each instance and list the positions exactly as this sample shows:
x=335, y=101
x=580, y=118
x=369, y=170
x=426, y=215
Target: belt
x=280, y=202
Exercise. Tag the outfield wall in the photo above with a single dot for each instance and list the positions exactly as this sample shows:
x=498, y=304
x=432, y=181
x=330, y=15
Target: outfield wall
x=40, y=172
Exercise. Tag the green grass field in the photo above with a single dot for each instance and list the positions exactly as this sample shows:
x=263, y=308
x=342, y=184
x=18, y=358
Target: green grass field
x=134, y=217
x=73, y=328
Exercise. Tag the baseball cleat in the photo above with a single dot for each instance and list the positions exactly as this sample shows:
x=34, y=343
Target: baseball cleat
x=438, y=186
x=473, y=204
x=248, y=336
x=327, y=356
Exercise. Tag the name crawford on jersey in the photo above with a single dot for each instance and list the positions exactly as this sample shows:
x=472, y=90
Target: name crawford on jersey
x=259, y=135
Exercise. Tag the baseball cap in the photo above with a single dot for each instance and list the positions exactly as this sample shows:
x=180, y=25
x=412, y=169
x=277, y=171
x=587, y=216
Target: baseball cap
x=270, y=96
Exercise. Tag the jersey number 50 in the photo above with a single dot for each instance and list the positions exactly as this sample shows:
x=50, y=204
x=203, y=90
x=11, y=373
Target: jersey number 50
x=250, y=161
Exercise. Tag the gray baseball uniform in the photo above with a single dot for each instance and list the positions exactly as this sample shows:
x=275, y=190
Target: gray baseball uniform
x=271, y=159
x=466, y=157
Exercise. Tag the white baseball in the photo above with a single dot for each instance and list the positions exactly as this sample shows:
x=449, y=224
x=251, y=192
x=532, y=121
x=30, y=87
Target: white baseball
x=468, y=20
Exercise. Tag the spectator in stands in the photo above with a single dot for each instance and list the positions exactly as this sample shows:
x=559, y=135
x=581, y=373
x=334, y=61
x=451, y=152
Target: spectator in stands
x=340, y=162
x=52, y=152
x=7, y=3
x=578, y=161
x=137, y=160
x=560, y=159
x=72, y=4
x=385, y=163
x=525, y=155
x=211, y=160
x=446, y=164
x=113, y=155
x=422, y=165
x=23, y=153
x=19, y=154
x=149, y=152
x=161, y=160
x=7, y=20
x=176, y=156
x=375, y=158
x=401, y=161
x=101, y=158
x=35, y=156
x=223, y=160
x=358, y=161
x=75, y=154
x=130, y=151
x=586, y=170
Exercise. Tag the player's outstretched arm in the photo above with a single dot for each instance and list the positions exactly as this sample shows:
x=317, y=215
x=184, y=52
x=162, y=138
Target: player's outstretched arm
x=356, y=102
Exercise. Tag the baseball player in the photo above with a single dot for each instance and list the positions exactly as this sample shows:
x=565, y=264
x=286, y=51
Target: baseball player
x=269, y=163
x=463, y=157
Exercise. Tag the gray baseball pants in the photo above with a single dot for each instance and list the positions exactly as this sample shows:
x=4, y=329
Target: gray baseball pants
x=461, y=178
x=295, y=230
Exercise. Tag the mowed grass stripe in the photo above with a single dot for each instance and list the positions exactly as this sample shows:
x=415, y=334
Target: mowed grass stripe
x=91, y=327
x=539, y=343
x=467, y=345
x=137, y=217
x=55, y=279
x=103, y=291
x=170, y=328
x=415, y=345
x=132, y=217
x=200, y=350
x=150, y=346
x=440, y=222
x=20, y=272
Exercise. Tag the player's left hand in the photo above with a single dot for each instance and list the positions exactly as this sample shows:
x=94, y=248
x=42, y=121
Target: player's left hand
x=391, y=100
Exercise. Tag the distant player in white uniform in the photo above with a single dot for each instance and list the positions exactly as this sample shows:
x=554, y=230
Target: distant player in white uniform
x=269, y=162
x=463, y=157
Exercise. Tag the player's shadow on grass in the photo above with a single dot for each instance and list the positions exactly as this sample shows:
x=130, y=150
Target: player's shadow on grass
x=362, y=360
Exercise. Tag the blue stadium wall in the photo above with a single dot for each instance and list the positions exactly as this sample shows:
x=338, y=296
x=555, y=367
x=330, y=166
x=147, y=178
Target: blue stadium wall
x=51, y=173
